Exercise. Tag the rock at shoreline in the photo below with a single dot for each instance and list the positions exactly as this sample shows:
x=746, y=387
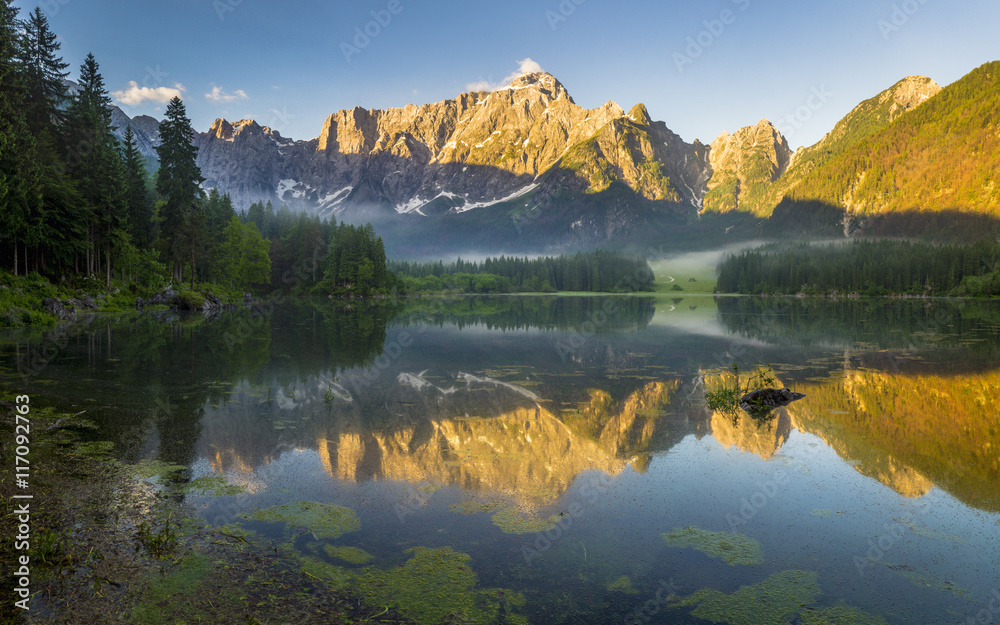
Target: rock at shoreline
x=167, y=297
x=208, y=303
x=57, y=308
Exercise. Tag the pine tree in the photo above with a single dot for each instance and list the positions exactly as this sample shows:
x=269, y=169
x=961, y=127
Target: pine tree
x=138, y=200
x=178, y=180
x=46, y=71
x=94, y=162
x=61, y=230
x=20, y=196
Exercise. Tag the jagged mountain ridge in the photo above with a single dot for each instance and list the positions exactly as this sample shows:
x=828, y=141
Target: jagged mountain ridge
x=522, y=146
x=478, y=149
x=483, y=166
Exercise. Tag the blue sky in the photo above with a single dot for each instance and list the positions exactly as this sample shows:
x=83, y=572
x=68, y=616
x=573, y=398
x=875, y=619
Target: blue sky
x=702, y=67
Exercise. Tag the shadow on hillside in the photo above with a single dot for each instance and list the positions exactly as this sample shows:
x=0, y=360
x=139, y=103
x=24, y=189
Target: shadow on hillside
x=821, y=219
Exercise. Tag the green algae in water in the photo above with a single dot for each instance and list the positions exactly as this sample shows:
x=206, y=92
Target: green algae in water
x=148, y=469
x=352, y=555
x=430, y=488
x=433, y=586
x=174, y=587
x=510, y=521
x=732, y=548
x=216, y=485
x=323, y=520
x=840, y=614
x=622, y=584
x=475, y=507
x=95, y=449
x=436, y=584
x=774, y=600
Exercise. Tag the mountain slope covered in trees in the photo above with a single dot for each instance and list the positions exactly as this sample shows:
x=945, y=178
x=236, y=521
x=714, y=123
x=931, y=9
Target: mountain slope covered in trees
x=944, y=155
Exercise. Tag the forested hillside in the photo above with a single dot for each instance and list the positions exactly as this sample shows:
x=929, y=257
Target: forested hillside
x=867, y=267
x=943, y=155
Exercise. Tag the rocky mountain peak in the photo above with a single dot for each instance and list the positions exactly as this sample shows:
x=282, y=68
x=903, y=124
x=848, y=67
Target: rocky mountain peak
x=221, y=129
x=640, y=115
x=544, y=82
x=743, y=164
x=909, y=93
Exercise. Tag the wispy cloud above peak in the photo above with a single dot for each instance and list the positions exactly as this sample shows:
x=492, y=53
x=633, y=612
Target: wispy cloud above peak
x=135, y=95
x=525, y=66
x=219, y=95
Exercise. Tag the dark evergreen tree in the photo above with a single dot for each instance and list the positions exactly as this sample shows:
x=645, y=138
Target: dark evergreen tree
x=94, y=162
x=178, y=180
x=46, y=72
x=20, y=193
x=138, y=199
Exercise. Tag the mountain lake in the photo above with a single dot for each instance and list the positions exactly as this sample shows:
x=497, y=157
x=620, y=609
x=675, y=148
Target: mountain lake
x=548, y=460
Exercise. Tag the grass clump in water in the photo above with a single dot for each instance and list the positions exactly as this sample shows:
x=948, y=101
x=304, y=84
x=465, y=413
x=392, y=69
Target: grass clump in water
x=775, y=600
x=732, y=548
x=323, y=520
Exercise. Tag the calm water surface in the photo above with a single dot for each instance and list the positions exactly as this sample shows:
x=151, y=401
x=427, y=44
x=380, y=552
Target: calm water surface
x=556, y=440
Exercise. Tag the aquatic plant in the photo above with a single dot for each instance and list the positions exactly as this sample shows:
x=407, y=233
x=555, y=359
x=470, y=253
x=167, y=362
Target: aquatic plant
x=475, y=507
x=774, y=600
x=183, y=580
x=433, y=586
x=510, y=521
x=732, y=548
x=726, y=399
x=216, y=485
x=622, y=584
x=352, y=555
x=840, y=614
x=323, y=520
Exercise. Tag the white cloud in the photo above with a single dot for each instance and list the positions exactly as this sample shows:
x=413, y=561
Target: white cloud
x=526, y=66
x=136, y=95
x=218, y=95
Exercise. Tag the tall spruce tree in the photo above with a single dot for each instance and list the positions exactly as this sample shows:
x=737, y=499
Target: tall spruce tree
x=46, y=71
x=62, y=228
x=94, y=162
x=20, y=196
x=138, y=200
x=178, y=180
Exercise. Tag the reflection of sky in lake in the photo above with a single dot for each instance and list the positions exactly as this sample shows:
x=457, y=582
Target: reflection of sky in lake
x=882, y=480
